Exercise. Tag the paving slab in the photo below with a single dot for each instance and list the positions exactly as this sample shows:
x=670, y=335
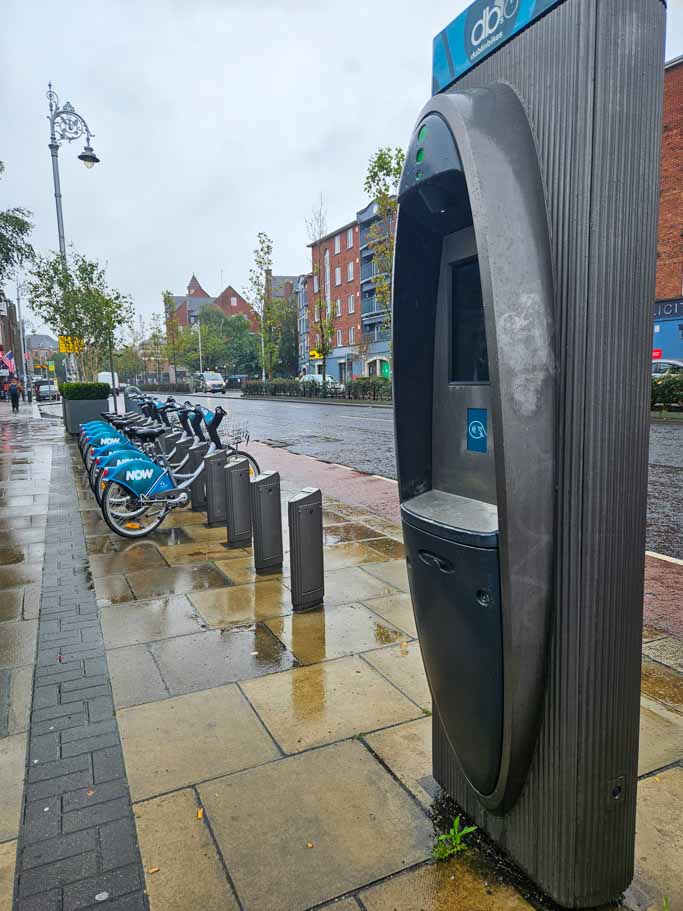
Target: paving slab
x=8, y=856
x=18, y=643
x=667, y=651
x=135, y=677
x=397, y=609
x=362, y=828
x=147, y=621
x=393, y=572
x=458, y=884
x=21, y=690
x=343, y=586
x=12, y=764
x=11, y=601
x=349, y=531
x=389, y=549
x=402, y=665
x=113, y=590
x=214, y=657
x=241, y=571
x=331, y=632
x=407, y=750
x=200, y=552
x=177, y=742
x=175, y=580
x=140, y=556
x=172, y=839
x=659, y=837
x=243, y=603
x=319, y=704
x=661, y=737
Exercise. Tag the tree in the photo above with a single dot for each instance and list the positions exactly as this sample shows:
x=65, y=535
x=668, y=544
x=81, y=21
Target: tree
x=241, y=349
x=172, y=330
x=381, y=184
x=323, y=315
x=15, y=228
x=129, y=364
x=156, y=342
x=259, y=290
x=71, y=296
x=285, y=318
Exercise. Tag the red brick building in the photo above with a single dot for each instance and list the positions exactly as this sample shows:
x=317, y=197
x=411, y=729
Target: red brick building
x=335, y=280
x=670, y=243
x=231, y=302
x=667, y=336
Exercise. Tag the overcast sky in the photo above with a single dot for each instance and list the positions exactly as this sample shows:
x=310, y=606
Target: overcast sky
x=214, y=119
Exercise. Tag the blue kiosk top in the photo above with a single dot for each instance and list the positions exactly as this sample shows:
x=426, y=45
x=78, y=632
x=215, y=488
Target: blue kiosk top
x=479, y=31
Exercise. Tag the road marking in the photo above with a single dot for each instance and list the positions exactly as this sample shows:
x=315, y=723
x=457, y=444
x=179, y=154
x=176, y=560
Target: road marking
x=651, y=553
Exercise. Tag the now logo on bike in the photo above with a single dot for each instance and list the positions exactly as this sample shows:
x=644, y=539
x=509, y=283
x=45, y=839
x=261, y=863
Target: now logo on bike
x=139, y=474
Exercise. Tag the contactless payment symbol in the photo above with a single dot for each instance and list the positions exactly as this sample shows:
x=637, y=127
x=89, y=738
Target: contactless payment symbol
x=477, y=429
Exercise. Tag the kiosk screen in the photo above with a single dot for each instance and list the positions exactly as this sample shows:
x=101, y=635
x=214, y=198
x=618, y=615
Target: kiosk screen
x=469, y=358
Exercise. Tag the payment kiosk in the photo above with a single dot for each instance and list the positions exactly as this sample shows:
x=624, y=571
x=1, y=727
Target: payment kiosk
x=522, y=461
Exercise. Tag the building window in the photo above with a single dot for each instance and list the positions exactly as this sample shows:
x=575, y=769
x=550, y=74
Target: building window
x=337, y=311
x=337, y=244
x=233, y=301
x=317, y=340
x=327, y=275
x=349, y=238
x=351, y=303
x=337, y=275
x=349, y=271
x=316, y=315
x=352, y=335
x=339, y=338
x=316, y=284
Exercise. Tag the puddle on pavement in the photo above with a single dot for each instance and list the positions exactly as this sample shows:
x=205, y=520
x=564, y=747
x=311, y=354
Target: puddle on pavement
x=323, y=633
x=11, y=555
x=175, y=580
x=661, y=683
x=215, y=657
x=351, y=531
x=10, y=604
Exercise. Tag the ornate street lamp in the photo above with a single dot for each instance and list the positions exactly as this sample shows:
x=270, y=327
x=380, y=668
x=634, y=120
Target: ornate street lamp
x=66, y=124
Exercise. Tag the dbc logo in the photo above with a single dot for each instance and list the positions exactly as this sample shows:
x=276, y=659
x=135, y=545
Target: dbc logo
x=489, y=21
x=139, y=474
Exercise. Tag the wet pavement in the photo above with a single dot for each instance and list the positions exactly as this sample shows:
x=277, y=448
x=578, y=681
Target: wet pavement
x=282, y=761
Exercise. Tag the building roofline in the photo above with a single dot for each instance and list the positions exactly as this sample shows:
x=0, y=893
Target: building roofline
x=333, y=233
x=674, y=62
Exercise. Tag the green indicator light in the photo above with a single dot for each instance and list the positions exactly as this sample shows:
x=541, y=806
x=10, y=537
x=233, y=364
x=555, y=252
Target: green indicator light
x=422, y=133
x=420, y=155
x=418, y=175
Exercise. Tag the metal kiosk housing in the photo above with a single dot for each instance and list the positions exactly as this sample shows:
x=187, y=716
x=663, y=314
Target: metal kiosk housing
x=528, y=204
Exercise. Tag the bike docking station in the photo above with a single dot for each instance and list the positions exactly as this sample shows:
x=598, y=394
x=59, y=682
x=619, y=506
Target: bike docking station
x=266, y=520
x=214, y=467
x=237, y=503
x=527, y=206
x=305, y=518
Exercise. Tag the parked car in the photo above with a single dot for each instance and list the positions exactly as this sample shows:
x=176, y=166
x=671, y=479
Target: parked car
x=208, y=381
x=663, y=365
x=46, y=391
x=317, y=378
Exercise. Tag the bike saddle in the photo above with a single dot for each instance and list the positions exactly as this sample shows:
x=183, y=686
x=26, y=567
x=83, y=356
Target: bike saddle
x=146, y=433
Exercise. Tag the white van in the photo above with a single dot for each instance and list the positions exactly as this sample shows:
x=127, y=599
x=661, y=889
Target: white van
x=105, y=377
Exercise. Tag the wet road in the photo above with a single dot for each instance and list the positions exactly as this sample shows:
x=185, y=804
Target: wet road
x=362, y=437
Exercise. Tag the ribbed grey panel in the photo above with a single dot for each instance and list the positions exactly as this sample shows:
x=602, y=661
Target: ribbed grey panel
x=590, y=76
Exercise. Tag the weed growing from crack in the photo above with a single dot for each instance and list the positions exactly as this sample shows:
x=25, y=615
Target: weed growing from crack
x=452, y=842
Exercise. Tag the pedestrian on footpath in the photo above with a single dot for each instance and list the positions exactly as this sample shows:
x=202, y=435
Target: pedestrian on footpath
x=14, y=393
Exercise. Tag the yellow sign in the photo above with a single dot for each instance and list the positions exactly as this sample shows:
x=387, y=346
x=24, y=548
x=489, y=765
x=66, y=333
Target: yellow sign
x=314, y=354
x=71, y=344
x=51, y=366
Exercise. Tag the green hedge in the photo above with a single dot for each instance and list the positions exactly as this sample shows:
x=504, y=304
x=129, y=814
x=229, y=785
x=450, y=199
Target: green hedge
x=84, y=391
x=667, y=390
x=368, y=388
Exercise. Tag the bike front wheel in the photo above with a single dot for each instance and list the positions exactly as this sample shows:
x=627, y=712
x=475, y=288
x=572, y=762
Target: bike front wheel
x=127, y=516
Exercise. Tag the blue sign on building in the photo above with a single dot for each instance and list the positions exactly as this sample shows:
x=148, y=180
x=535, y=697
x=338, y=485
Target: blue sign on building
x=479, y=31
x=667, y=336
x=477, y=429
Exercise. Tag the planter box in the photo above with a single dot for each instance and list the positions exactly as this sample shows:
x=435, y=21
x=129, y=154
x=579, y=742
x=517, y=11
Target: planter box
x=78, y=411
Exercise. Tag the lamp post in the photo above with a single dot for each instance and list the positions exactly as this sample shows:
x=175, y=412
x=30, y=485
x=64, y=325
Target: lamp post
x=198, y=327
x=66, y=124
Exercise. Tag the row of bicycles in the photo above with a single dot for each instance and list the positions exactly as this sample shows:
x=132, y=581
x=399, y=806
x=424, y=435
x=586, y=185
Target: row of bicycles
x=140, y=465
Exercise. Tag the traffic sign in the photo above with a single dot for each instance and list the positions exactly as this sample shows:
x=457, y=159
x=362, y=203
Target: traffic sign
x=71, y=344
